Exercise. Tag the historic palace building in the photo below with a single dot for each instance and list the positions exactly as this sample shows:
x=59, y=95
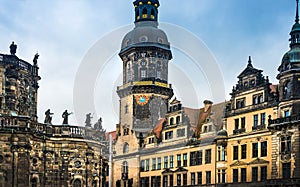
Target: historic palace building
x=41, y=154
x=251, y=140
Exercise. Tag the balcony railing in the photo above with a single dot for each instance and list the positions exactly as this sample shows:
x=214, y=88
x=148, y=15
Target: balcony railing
x=239, y=131
x=258, y=127
x=244, y=109
x=284, y=121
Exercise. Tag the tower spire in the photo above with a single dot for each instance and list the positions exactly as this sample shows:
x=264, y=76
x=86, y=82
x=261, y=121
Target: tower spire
x=297, y=12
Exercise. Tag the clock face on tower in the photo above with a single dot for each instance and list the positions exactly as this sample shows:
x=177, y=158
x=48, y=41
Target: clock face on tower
x=142, y=99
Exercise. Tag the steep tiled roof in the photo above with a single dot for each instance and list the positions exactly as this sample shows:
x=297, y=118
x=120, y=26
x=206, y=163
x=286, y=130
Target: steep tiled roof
x=113, y=133
x=198, y=116
x=158, y=128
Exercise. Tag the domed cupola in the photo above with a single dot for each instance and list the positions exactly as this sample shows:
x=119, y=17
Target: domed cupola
x=146, y=10
x=289, y=69
x=295, y=33
x=146, y=32
x=291, y=59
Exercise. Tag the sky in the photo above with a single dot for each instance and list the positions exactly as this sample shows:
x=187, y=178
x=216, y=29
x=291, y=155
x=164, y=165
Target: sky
x=64, y=33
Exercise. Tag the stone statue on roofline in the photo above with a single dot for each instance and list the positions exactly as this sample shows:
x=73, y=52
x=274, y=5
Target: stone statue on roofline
x=13, y=48
x=65, y=116
x=88, y=120
x=48, y=117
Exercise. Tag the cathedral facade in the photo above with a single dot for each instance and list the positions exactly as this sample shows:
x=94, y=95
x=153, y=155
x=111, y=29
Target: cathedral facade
x=42, y=154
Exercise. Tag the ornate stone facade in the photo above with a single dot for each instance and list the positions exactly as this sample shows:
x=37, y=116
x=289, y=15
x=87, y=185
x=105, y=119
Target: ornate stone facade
x=36, y=154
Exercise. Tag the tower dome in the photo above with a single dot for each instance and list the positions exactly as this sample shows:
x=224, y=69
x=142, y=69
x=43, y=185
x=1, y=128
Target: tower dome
x=291, y=59
x=146, y=32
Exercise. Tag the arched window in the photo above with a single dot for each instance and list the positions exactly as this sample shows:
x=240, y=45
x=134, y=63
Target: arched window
x=177, y=119
x=287, y=89
x=128, y=73
x=171, y=121
x=126, y=147
x=125, y=167
x=152, y=14
x=34, y=182
x=77, y=183
x=145, y=14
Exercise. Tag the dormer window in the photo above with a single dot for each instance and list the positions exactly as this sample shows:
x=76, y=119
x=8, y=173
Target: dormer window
x=240, y=103
x=257, y=99
x=252, y=82
x=246, y=84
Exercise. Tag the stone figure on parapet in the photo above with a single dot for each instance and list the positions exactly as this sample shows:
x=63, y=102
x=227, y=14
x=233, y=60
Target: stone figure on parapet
x=65, y=116
x=13, y=48
x=48, y=117
x=88, y=120
x=36, y=57
x=98, y=125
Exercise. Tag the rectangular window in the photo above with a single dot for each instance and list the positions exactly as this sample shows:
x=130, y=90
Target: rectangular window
x=147, y=165
x=286, y=170
x=263, y=173
x=184, y=176
x=208, y=177
x=262, y=118
x=240, y=103
x=254, y=174
x=236, y=124
x=171, y=180
x=185, y=160
x=221, y=175
x=192, y=158
x=178, y=179
x=199, y=177
x=243, y=122
x=199, y=157
x=159, y=163
x=235, y=152
x=153, y=163
x=143, y=73
x=255, y=120
x=243, y=174
x=180, y=133
x=286, y=145
x=143, y=165
x=168, y=135
x=264, y=149
x=254, y=150
x=208, y=156
x=235, y=176
x=193, y=182
x=165, y=181
x=171, y=161
x=166, y=162
x=178, y=160
x=244, y=151
x=286, y=113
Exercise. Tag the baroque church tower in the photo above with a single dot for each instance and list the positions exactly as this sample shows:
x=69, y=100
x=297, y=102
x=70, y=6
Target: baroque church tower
x=145, y=92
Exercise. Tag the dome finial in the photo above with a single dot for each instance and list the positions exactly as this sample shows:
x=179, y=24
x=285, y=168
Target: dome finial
x=250, y=62
x=297, y=12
